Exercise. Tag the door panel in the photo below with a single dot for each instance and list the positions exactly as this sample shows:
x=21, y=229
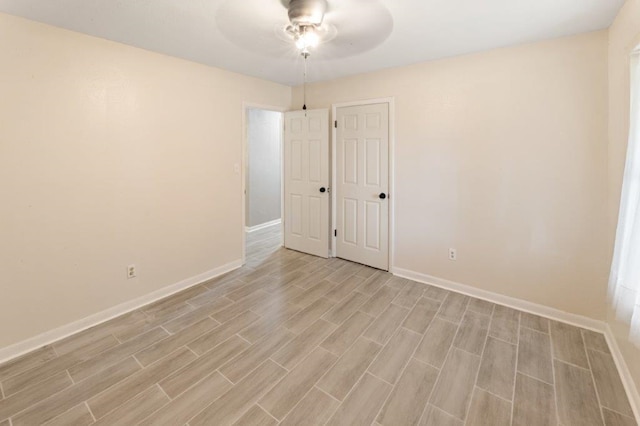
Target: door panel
x=350, y=221
x=296, y=160
x=295, y=219
x=306, y=170
x=315, y=167
x=371, y=224
x=362, y=148
x=350, y=174
x=372, y=162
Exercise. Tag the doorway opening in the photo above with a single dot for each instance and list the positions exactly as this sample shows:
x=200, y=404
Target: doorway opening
x=262, y=204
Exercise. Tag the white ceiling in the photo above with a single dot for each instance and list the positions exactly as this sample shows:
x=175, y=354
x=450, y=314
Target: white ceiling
x=242, y=35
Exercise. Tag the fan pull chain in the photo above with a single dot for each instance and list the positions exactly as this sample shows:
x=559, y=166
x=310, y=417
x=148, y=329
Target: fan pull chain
x=305, y=55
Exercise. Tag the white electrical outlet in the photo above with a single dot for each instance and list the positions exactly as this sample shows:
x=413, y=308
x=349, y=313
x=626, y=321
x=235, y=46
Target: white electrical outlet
x=453, y=254
x=131, y=271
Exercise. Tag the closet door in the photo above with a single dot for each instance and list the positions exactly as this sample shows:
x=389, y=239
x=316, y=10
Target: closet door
x=362, y=184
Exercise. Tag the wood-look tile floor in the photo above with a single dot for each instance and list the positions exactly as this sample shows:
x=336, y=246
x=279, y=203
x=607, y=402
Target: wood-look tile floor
x=296, y=340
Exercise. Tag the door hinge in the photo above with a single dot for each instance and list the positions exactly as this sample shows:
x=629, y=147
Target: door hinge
x=335, y=124
x=335, y=232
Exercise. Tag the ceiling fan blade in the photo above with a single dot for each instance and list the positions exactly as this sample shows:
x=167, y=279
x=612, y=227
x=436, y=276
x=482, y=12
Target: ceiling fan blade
x=361, y=25
x=253, y=24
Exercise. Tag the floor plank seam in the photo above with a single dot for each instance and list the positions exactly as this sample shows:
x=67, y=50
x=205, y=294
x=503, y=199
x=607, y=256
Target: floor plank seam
x=515, y=369
x=446, y=358
x=55, y=351
x=288, y=370
x=382, y=406
x=171, y=399
x=378, y=377
x=617, y=412
x=425, y=363
x=492, y=393
x=383, y=344
x=361, y=335
x=484, y=346
x=137, y=360
x=502, y=340
x=327, y=393
x=90, y=412
x=457, y=324
x=73, y=382
x=346, y=397
x=598, y=350
x=238, y=334
x=197, y=413
x=268, y=413
x=61, y=414
x=469, y=352
x=411, y=331
x=168, y=332
x=535, y=329
x=224, y=377
x=555, y=379
x=593, y=379
x=571, y=364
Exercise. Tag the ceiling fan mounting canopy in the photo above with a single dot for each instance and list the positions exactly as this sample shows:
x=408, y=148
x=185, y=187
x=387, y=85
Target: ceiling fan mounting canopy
x=304, y=13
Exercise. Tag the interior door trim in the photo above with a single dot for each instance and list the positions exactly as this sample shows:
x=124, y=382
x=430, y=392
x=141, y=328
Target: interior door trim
x=392, y=181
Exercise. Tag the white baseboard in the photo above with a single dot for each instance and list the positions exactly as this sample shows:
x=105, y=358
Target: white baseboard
x=59, y=333
x=263, y=225
x=623, y=370
x=500, y=299
x=543, y=311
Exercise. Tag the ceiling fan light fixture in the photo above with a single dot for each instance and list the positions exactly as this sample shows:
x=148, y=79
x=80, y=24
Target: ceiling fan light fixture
x=307, y=38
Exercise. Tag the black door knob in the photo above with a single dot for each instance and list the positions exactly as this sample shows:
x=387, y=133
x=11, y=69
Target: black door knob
x=382, y=195
x=323, y=189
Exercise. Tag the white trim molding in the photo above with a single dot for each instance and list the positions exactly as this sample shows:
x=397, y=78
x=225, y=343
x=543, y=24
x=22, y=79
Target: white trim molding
x=262, y=226
x=543, y=311
x=59, y=333
x=625, y=375
x=500, y=299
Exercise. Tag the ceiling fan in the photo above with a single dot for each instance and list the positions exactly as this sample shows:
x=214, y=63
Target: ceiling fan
x=306, y=23
x=335, y=28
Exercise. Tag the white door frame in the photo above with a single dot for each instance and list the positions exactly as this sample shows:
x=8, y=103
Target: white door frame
x=392, y=189
x=246, y=106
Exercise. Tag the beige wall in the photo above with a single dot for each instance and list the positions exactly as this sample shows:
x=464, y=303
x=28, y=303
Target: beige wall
x=503, y=156
x=111, y=155
x=624, y=36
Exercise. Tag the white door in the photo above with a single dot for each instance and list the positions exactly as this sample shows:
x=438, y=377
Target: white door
x=306, y=181
x=362, y=178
